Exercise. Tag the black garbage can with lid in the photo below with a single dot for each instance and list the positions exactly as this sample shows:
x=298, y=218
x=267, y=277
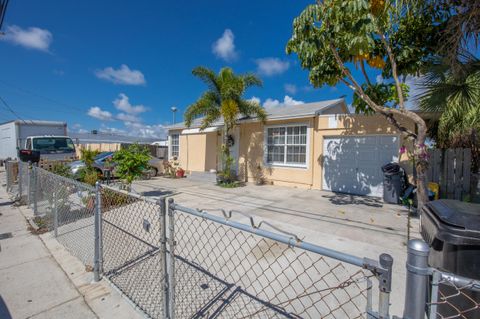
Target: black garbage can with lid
x=392, y=183
x=452, y=230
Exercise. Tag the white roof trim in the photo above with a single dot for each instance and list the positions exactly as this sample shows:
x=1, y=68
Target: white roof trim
x=199, y=131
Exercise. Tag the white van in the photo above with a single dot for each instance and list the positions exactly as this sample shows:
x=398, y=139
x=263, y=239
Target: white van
x=52, y=147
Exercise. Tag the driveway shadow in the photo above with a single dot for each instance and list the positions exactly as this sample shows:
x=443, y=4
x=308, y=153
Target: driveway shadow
x=347, y=199
x=4, y=312
x=158, y=193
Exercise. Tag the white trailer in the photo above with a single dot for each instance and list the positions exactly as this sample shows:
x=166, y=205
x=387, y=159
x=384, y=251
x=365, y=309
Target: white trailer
x=48, y=137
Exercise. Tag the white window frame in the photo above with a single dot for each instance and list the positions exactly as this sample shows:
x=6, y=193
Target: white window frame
x=284, y=164
x=170, y=153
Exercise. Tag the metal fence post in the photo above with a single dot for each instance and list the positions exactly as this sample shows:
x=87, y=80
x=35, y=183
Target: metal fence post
x=417, y=280
x=171, y=246
x=55, y=212
x=35, y=177
x=385, y=285
x=97, y=263
x=19, y=178
x=29, y=181
x=163, y=247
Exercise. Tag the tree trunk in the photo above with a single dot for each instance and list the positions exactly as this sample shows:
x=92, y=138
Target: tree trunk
x=226, y=148
x=421, y=163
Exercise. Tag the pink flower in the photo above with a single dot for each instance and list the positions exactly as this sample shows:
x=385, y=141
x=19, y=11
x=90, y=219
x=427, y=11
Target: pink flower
x=403, y=149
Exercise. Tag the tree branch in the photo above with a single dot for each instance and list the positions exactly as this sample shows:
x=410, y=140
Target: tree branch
x=362, y=66
x=385, y=111
x=393, y=65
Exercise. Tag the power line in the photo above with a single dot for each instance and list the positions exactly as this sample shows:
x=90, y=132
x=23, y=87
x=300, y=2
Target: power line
x=11, y=110
x=28, y=92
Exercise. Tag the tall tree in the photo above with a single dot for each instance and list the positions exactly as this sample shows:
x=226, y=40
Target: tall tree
x=452, y=90
x=397, y=37
x=224, y=99
x=462, y=31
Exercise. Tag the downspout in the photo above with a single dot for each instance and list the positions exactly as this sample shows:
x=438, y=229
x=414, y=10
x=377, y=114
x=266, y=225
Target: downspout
x=312, y=152
x=188, y=149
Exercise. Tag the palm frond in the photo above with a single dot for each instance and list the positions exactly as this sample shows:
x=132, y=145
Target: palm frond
x=203, y=106
x=252, y=108
x=250, y=80
x=208, y=76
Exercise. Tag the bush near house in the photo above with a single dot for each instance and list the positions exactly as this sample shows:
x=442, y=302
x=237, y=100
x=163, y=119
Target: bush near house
x=131, y=162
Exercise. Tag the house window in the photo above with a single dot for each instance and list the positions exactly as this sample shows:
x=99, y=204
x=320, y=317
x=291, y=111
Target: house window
x=174, y=145
x=287, y=145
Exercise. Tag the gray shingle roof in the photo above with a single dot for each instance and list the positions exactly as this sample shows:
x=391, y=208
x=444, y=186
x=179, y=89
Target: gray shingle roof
x=277, y=113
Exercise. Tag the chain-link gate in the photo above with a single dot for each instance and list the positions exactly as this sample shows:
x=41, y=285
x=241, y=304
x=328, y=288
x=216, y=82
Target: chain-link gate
x=133, y=248
x=227, y=269
x=453, y=296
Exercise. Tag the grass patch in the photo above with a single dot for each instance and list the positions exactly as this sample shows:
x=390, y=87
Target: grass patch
x=232, y=184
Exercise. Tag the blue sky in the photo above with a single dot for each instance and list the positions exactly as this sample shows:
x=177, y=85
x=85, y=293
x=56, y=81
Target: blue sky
x=120, y=65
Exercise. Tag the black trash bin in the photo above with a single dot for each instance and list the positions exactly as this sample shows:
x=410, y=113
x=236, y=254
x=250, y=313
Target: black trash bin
x=392, y=183
x=452, y=230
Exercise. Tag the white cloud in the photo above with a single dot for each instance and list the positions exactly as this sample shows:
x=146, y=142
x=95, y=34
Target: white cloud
x=270, y=103
x=224, y=47
x=77, y=126
x=144, y=130
x=31, y=38
x=82, y=130
x=122, y=103
x=255, y=99
x=271, y=66
x=379, y=79
x=127, y=118
x=287, y=101
x=123, y=75
x=113, y=130
x=98, y=113
x=290, y=88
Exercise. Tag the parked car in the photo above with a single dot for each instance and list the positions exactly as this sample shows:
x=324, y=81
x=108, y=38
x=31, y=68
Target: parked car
x=103, y=162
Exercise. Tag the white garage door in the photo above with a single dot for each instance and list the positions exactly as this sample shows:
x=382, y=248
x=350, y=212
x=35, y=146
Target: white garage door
x=353, y=164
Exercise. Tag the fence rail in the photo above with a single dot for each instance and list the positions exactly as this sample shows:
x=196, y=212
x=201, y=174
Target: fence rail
x=172, y=261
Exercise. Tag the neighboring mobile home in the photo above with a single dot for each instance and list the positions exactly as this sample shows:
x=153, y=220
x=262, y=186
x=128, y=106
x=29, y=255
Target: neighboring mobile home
x=315, y=145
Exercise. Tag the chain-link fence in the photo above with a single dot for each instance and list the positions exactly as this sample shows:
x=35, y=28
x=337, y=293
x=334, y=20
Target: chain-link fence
x=133, y=231
x=197, y=264
x=66, y=207
x=11, y=168
x=453, y=296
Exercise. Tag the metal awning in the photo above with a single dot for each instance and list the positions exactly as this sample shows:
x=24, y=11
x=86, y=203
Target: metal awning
x=199, y=131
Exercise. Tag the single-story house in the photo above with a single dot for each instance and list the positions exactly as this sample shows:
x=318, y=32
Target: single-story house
x=314, y=145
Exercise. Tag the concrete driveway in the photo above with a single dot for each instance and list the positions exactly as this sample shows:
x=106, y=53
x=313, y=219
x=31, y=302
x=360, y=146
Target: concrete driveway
x=362, y=226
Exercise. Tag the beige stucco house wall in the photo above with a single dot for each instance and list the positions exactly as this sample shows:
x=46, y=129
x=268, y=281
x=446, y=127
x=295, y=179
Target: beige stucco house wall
x=200, y=151
x=252, y=148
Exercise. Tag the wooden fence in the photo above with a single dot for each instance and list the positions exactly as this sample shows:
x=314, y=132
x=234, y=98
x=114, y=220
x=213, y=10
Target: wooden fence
x=160, y=152
x=451, y=169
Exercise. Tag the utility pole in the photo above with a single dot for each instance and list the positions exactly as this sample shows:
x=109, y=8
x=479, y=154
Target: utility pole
x=3, y=9
x=174, y=110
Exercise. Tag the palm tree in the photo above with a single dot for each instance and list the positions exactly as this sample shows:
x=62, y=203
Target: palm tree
x=224, y=99
x=455, y=95
x=453, y=91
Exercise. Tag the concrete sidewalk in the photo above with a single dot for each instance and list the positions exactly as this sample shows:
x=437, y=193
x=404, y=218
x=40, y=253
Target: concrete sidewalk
x=40, y=279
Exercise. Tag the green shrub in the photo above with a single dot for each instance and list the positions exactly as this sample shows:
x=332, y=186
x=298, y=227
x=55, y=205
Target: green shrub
x=131, y=162
x=62, y=170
